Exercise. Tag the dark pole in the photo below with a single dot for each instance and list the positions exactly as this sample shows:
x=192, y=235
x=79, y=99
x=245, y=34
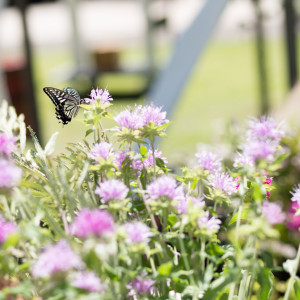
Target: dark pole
x=28, y=78
x=261, y=60
x=291, y=44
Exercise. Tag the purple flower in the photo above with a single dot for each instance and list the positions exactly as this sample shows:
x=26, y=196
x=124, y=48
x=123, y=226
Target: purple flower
x=151, y=113
x=10, y=174
x=296, y=194
x=140, y=286
x=209, y=161
x=164, y=186
x=92, y=222
x=112, y=189
x=101, y=150
x=293, y=221
x=223, y=182
x=103, y=96
x=264, y=129
x=259, y=149
x=130, y=119
x=56, y=258
x=88, y=281
x=137, y=232
x=243, y=160
x=210, y=224
x=272, y=212
x=184, y=203
x=148, y=162
x=6, y=229
x=119, y=157
x=7, y=144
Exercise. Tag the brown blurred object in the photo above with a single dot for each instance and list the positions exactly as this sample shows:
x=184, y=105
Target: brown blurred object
x=106, y=59
x=10, y=282
x=17, y=81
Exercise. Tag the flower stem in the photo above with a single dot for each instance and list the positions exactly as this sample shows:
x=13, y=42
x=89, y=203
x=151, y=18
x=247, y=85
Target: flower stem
x=293, y=276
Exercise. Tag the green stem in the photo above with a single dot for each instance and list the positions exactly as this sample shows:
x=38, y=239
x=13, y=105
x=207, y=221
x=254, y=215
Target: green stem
x=238, y=222
x=293, y=276
x=241, y=295
x=202, y=252
x=154, y=162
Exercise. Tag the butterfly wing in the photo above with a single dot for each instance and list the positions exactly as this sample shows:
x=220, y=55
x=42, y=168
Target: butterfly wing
x=65, y=103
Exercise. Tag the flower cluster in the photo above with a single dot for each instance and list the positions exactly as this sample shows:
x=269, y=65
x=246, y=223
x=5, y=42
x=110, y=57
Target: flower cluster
x=263, y=137
x=99, y=94
x=223, y=183
x=6, y=229
x=10, y=174
x=209, y=161
x=272, y=212
x=112, y=190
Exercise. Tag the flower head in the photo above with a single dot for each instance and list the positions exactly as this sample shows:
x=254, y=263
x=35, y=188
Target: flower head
x=92, y=222
x=243, y=160
x=151, y=113
x=6, y=229
x=208, y=161
x=56, y=258
x=212, y=224
x=185, y=202
x=223, y=182
x=88, y=281
x=148, y=162
x=296, y=194
x=10, y=174
x=164, y=186
x=101, y=150
x=272, y=212
x=112, y=189
x=131, y=119
x=140, y=286
x=103, y=96
x=256, y=149
x=264, y=129
x=293, y=221
x=7, y=144
x=137, y=232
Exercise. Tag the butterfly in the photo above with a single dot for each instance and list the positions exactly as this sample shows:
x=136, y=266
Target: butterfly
x=66, y=103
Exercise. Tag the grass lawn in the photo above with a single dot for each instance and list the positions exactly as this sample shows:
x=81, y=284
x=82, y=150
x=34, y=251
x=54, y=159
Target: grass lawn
x=222, y=87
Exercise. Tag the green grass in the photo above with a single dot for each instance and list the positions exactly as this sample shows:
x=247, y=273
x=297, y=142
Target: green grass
x=222, y=87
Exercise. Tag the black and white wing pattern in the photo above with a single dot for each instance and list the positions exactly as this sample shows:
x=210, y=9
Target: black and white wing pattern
x=66, y=102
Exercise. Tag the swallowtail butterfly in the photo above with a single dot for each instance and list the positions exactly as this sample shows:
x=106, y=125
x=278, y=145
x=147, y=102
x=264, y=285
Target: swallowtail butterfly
x=66, y=103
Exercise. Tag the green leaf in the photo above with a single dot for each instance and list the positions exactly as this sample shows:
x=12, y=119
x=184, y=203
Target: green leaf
x=88, y=132
x=244, y=215
x=297, y=288
x=49, y=149
x=143, y=150
x=165, y=269
x=281, y=157
x=265, y=279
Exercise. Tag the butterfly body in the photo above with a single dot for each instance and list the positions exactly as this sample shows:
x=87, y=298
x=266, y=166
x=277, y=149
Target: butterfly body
x=66, y=103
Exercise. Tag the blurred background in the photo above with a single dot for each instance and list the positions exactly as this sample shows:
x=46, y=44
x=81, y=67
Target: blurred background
x=206, y=62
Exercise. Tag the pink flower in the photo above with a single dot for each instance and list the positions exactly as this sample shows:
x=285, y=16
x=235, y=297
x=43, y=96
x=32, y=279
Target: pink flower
x=272, y=212
x=293, y=221
x=112, y=189
x=130, y=119
x=103, y=96
x=148, y=162
x=10, y=174
x=259, y=149
x=7, y=144
x=101, y=150
x=208, y=161
x=140, y=286
x=210, y=224
x=6, y=229
x=56, y=258
x=164, y=186
x=296, y=194
x=264, y=129
x=183, y=204
x=88, y=281
x=243, y=160
x=137, y=232
x=223, y=182
x=151, y=113
x=92, y=222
